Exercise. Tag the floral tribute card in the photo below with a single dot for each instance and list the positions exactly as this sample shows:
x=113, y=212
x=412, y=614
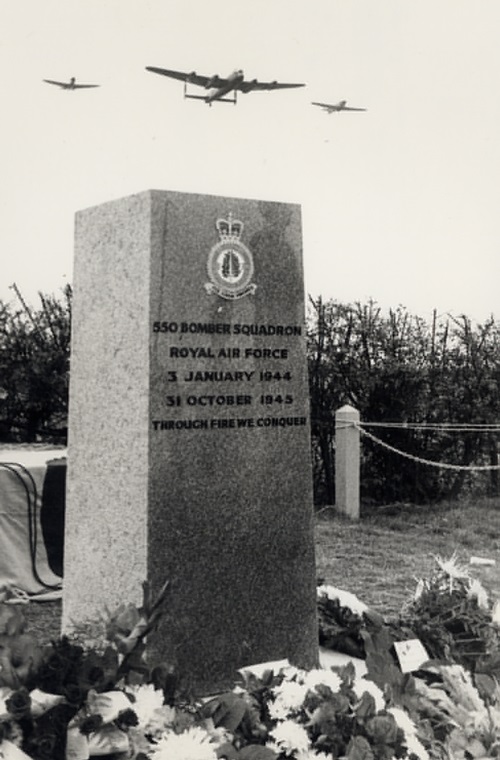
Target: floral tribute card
x=411, y=654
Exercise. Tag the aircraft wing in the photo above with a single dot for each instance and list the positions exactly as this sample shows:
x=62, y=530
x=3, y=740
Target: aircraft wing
x=331, y=107
x=253, y=84
x=69, y=85
x=53, y=81
x=190, y=77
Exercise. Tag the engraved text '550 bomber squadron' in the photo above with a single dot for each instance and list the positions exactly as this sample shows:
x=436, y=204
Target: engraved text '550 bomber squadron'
x=230, y=263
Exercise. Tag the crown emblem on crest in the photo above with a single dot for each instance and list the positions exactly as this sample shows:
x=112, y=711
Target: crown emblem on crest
x=229, y=229
x=230, y=263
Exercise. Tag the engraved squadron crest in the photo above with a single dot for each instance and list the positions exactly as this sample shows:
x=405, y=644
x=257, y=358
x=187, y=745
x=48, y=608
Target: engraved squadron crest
x=230, y=263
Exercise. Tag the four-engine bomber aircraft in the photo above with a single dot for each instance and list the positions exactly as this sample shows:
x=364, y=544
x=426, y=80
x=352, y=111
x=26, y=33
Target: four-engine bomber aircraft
x=340, y=106
x=71, y=85
x=220, y=86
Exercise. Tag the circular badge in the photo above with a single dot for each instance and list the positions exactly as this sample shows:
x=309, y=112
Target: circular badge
x=230, y=268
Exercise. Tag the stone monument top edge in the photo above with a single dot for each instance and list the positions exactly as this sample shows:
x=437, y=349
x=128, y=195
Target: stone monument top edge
x=155, y=192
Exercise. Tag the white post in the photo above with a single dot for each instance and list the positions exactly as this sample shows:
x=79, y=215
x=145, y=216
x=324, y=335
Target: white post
x=347, y=461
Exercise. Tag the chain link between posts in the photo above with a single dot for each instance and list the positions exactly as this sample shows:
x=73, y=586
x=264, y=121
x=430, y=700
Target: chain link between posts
x=421, y=460
x=449, y=427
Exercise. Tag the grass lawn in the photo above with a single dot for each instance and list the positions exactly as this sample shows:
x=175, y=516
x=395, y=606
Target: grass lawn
x=380, y=557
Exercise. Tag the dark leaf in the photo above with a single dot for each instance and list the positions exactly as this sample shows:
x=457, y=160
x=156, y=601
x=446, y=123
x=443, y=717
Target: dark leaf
x=226, y=711
x=359, y=749
x=486, y=685
x=256, y=752
x=366, y=708
x=227, y=751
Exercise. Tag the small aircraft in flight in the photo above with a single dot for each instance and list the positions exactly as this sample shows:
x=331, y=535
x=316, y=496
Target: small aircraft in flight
x=220, y=86
x=340, y=106
x=71, y=85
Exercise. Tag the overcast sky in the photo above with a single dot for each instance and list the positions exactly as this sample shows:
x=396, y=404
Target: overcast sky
x=399, y=203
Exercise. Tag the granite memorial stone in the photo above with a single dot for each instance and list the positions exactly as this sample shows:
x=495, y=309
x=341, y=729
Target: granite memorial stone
x=189, y=438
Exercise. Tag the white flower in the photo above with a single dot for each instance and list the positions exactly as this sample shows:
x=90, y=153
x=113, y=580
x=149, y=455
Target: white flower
x=291, y=673
x=361, y=685
x=311, y=754
x=278, y=710
x=319, y=676
x=495, y=613
x=193, y=744
x=419, y=590
x=478, y=592
x=452, y=566
x=452, y=569
x=288, y=698
x=145, y=701
x=290, y=737
x=344, y=598
x=483, y=721
x=459, y=685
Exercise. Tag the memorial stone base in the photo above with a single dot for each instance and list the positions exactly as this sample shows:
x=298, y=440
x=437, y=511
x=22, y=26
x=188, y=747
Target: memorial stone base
x=189, y=435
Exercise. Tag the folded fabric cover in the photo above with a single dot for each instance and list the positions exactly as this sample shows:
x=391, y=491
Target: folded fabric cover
x=23, y=554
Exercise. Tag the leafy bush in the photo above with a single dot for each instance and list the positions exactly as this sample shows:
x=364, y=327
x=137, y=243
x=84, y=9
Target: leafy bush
x=397, y=368
x=34, y=369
